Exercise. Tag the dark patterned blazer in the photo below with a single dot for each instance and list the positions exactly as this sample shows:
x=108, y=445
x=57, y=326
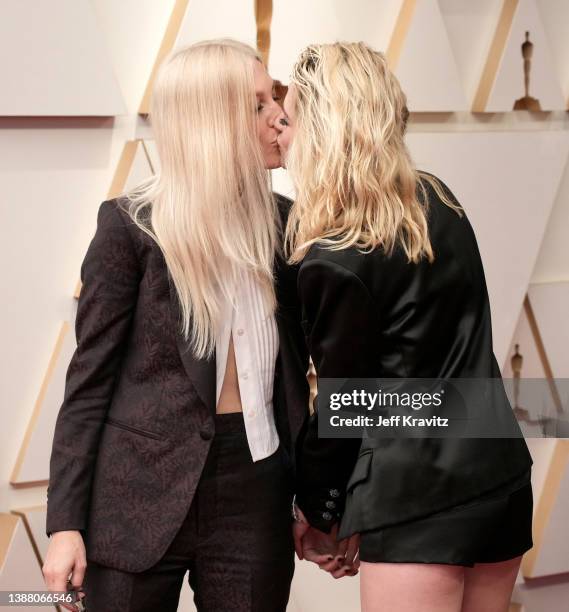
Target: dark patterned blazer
x=137, y=419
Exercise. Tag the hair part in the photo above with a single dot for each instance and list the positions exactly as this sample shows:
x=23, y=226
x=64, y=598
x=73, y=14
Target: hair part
x=209, y=207
x=354, y=178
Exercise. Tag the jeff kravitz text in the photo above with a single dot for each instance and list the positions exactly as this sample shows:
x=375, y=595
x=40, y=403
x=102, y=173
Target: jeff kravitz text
x=393, y=421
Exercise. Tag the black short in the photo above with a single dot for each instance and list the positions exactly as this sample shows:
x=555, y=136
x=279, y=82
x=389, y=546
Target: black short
x=495, y=527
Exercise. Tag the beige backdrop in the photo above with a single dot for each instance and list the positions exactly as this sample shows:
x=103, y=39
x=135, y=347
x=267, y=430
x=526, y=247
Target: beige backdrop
x=75, y=80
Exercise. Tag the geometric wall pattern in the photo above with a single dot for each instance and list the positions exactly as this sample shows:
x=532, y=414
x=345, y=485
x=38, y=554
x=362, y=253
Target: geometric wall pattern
x=555, y=17
x=549, y=595
x=550, y=302
x=135, y=165
x=296, y=24
x=133, y=31
x=542, y=333
x=451, y=56
x=430, y=80
x=550, y=554
x=507, y=183
x=34, y=520
x=58, y=61
x=537, y=411
x=20, y=569
x=552, y=264
x=235, y=16
x=471, y=27
x=403, y=30
x=442, y=50
x=32, y=464
x=541, y=336
x=508, y=78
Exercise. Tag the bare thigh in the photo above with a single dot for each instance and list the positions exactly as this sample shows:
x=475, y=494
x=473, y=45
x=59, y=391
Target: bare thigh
x=488, y=586
x=411, y=587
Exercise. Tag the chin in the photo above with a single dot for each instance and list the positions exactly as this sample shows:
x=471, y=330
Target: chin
x=273, y=163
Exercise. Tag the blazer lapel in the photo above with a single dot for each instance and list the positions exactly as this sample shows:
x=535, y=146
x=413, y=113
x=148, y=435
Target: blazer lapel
x=202, y=372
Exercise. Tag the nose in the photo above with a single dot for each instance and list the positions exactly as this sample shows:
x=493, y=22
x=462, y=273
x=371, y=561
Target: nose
x=275, y=113
x=278, y=125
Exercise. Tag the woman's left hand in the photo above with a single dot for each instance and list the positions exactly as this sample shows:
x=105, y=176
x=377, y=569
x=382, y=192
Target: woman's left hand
x=349, y=564
x=339, y=558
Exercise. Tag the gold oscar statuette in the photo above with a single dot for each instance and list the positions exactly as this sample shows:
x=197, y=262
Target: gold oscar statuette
x=527, y=102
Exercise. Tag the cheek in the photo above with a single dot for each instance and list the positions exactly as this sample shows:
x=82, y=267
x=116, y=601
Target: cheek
x=266, y=135
x=271, y=153
x=284, y=140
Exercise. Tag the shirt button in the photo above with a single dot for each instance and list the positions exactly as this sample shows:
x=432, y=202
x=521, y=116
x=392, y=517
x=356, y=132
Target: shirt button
x=326, y=516
x=240, y=332
x=334, y=493
x=250, y=413
x=245, y=376
x=330, y=505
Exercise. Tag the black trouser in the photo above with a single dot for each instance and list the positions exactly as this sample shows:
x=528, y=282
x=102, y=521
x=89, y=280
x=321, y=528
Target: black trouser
x=236, y=540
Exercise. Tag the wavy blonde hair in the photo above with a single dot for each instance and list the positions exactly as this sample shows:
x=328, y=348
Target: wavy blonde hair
x=354, y=178
x=209, y=208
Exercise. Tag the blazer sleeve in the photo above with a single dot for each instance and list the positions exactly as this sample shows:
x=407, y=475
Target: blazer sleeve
x=340, y=321
x=110, y=275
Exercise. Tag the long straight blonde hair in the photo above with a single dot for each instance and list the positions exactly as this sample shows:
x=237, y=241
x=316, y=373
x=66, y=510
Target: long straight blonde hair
x=209, y=208
x=354, y=178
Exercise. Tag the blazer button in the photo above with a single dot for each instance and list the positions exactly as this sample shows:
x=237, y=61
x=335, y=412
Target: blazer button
x=334, y=493
x=330, y=505
x=327, y=516
x=206, y=434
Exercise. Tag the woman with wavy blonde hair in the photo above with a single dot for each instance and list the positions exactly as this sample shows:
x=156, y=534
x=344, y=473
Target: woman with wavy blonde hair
x=392, y=287
x=171, y=448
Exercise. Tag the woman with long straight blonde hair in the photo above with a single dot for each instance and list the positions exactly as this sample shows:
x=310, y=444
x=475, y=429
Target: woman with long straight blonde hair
x=392, y=289
x=184, y=396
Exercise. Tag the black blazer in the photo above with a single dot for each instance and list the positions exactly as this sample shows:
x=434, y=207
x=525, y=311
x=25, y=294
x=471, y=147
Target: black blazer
x=377, y=316
x=137, y=419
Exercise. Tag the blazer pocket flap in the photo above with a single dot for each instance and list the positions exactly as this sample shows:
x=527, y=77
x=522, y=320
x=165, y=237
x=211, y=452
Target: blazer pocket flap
x=137, y=430
x=361, y=469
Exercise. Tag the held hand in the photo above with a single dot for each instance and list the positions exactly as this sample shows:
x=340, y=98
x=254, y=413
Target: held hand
x=337, y=558
x=349, y=565
x=311, y=544
x=65, y=555
x=346, y=561
x=321, y=548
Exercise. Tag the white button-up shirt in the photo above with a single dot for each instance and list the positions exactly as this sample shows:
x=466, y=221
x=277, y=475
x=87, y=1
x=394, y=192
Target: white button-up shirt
x=256, y=345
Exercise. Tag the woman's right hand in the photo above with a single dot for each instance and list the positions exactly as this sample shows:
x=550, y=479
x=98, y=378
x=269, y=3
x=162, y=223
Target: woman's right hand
x=65, y=555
